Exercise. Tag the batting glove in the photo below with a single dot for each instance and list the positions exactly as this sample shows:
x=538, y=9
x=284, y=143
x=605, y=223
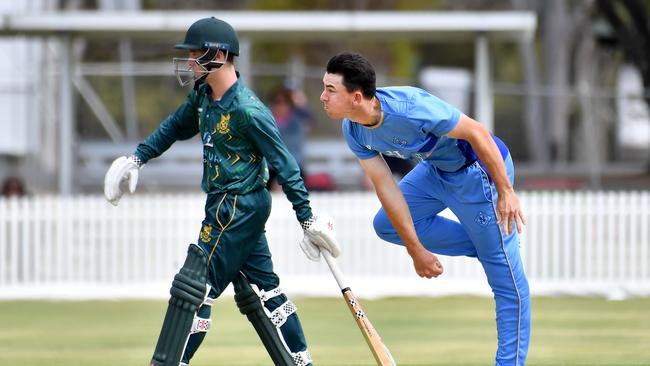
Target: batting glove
x=319, y=234
x=123, y=171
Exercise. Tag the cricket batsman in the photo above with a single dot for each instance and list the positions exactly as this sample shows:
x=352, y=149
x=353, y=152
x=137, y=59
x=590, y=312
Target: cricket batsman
x=239, y=137
x=460, y=166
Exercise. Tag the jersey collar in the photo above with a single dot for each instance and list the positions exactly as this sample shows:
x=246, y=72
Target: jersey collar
x=378, y=123
x=228, y=96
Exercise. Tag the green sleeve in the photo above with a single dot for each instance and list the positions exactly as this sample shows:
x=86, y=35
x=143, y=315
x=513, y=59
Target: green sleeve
x=264, y=134
x=180, y=125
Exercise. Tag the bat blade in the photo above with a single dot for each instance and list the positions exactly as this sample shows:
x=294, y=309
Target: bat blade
x=377, y=347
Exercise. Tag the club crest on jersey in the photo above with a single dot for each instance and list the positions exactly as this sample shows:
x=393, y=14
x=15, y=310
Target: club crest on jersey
x=207, y=139
x=205, y=233
x=223, y=127
x=399, y=141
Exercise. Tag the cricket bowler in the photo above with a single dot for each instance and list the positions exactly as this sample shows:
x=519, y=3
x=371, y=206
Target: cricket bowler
x=461, y=166
x=239, y=137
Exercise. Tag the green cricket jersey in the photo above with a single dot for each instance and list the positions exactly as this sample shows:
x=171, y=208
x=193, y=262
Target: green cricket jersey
x=239, y=136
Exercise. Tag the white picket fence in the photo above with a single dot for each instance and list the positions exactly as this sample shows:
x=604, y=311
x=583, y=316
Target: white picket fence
x=51, y=247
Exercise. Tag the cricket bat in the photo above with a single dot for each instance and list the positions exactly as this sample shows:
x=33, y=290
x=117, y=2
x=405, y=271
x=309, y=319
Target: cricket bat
x=377, y=347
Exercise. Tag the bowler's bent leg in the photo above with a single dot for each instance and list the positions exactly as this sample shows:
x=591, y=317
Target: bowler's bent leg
x=438, y=234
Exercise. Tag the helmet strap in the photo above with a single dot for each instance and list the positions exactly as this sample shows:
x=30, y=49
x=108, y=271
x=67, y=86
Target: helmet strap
x=198, y=82
x=207, y=59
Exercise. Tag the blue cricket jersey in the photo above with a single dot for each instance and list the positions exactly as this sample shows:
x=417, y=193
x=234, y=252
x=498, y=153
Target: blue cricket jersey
x=412, y=126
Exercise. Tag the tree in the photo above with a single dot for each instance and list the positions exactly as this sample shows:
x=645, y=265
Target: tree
x=629, y=21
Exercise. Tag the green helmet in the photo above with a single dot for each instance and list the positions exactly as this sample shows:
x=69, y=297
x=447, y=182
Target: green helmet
x=211, y=33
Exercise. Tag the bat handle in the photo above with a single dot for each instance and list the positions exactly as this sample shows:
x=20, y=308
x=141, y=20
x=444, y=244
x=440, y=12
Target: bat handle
x=334, y=268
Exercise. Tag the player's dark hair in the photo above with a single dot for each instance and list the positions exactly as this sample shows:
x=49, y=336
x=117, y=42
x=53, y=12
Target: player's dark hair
x=357, y=72
x=231, y=58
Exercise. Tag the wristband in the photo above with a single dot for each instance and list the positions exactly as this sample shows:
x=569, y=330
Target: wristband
x=307, y=223
x=136, y=160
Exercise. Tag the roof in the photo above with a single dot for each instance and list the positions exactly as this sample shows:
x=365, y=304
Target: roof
x=286, y=25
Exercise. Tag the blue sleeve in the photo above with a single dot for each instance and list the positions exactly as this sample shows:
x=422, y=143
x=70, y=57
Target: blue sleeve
x=357, y=148
x=438, y=116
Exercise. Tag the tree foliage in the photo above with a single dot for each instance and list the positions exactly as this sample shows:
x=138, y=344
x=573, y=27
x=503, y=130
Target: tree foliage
x=630, y=23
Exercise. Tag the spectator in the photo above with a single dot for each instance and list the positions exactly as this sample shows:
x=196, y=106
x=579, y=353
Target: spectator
x=293, y=117
x=13, y=187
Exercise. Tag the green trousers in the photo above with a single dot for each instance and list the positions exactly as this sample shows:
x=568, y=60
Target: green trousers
x=232, y=235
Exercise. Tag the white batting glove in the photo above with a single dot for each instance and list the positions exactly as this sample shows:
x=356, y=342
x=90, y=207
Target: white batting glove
x=319, y=234
x=123, y=171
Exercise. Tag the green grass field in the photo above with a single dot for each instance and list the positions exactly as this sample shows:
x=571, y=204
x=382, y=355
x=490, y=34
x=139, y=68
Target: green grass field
x=419, y=331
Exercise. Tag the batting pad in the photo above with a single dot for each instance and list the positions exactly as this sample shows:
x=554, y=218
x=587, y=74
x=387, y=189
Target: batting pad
x=249, y=304
x=187, y=294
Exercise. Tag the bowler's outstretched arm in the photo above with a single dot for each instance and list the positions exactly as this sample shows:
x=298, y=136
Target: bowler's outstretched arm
x=391, y=198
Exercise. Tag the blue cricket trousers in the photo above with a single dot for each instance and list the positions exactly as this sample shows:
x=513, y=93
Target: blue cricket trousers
x=472, y=197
